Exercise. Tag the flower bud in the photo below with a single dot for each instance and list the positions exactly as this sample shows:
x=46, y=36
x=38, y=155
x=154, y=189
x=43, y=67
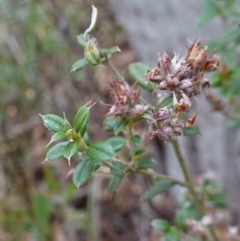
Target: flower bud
x=212, y=63
x=92, y=53
x=185, y=84
x=172, y=81
x=154, y=75
x=163, y=85
x=164, y=64
x=162, y=114
x=183, y=105
x=178, y=131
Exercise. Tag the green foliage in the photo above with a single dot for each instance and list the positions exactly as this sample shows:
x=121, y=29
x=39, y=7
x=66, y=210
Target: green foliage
x=161, y=225
x=191, y=131
x=54, y=123
x=158, y=187
x=136, y=140
x=81, y=120
x=146, y=163
x=117, y=142
x=56, y=152
x=114, y=124
x=118, y=172
x=83, y=171
x=101, y=151
x=108, y=52
x=80, y=64
x=70, y=149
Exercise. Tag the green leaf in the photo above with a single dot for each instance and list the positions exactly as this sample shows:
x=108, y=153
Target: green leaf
x=81, y=120
x=56, y=152
x=219, y=200
x=107, y=52
x=139, y=152
x=117, y=169
x=191, y=130
x=83, y=171
x=93, y=20
x=114, y=183
x=159, y=187
x=117, y=142
x=70, y=149
x=42, y=209
x=54, y=123
x=86, y=139
x=172, y=235
x=81, y=40
x=100, y=151
x=80, y=64
x=58, y=136
x=180, y=218
x=137, y=71
x=146, y=163
x=113, y=124
x=167, y=102
x=136, y=140
x=161, y=225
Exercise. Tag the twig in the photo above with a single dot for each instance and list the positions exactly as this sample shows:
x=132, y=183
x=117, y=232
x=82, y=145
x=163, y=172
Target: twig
x=162, y=176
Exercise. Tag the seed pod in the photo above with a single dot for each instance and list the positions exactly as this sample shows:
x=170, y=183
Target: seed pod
x=92, y=53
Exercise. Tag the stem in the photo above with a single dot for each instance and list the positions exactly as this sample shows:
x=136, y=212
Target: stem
x=155, y=175
x=186, y=173
x=191, y=188
x=112, y=68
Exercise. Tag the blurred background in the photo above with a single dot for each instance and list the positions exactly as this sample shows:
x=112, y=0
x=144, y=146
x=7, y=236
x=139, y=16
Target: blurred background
x=38, y=47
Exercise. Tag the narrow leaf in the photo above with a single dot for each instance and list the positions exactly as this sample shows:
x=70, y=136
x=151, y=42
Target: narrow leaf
x=56, y=152
x=70, y=149
x=83, y=171
x=159, y=187
x=114, y=183
x=137, y=71
x=107, y=52
x=118, y=169
x=146, y=163
x=81, y=120
x=54, y=123
x=81, y=40
x=100, y=151
x=80, y=64
x=191, y=130
x=58, y=136
x=117, y=142
x=42, y=208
